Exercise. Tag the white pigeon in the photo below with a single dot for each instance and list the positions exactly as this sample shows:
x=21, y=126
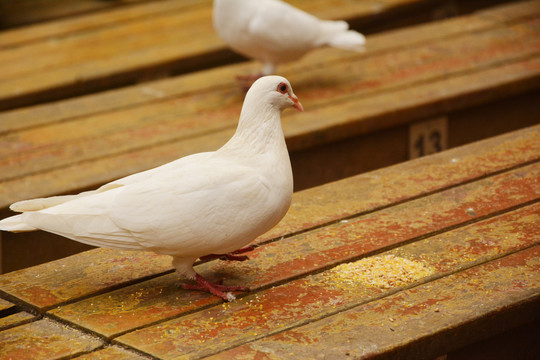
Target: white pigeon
x=275, y=32
x=197, y=206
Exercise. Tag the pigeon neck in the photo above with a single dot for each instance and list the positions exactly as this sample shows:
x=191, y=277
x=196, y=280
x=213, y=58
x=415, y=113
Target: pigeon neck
x=259, y=130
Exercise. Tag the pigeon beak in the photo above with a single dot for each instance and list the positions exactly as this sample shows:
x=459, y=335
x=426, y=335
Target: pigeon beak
x=296, y=103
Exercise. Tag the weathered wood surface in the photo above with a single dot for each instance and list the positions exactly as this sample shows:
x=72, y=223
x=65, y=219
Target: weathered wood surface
x=310, y=209
x=469, y=216
x=129, y=43
x=45, y=339
x=405, y=76
x=477, y=71
x=22, y=12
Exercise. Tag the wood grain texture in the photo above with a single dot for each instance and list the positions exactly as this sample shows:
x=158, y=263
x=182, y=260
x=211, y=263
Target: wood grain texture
x=142, y=304
x=391, y=86
x=56, y=282
x=118, y=46
x=468, y=215
x=44, y=339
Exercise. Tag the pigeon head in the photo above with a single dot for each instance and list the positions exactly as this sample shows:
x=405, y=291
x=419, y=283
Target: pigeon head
x=276, y=90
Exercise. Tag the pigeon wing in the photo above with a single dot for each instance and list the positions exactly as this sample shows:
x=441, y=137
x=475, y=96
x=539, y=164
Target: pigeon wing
x=282, y=30
x=194, y=216
x=44, y=203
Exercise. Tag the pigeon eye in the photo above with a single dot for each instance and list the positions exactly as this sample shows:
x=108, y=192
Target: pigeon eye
x=283, y=88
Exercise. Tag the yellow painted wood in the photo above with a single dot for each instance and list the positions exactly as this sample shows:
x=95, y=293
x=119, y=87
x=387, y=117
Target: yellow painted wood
x=121, y=49
x=21, y=12
x=468, y=214
x=142, y=304
x=425, y=321
x=60, y=281
x=57, y=282
x=341, y=107
x=4, y=305
x=44, y=339
x=212, y=79
x=110, y=353
x=15, y=319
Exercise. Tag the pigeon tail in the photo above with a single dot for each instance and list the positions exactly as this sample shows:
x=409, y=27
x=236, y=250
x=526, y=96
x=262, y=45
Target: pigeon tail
x=45, y=203
x=15, y=224
x=348, y=40
x=40, y=204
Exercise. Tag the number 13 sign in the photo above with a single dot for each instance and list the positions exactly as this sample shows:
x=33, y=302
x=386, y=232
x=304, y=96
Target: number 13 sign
x=428, y=137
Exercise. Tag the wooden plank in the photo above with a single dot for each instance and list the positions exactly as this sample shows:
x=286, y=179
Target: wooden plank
x=125, y=38
x=306, y=149
x=311, y=298
x=506, y=13
x=5, y=305
x=174, y=87
x=353, y=196
x=58, y=282
x=44, y=339
x=348, y=115
x=21, y=12
x=222, y=78
x=141, y=304
x=422, y=322
x=73, y=65
x=16, y=319
x=110, y=353
x=300, y=134
x=72, y=25
x=363, y=13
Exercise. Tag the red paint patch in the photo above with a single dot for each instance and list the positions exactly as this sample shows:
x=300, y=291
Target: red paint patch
x=41, y=297
x=417, y=308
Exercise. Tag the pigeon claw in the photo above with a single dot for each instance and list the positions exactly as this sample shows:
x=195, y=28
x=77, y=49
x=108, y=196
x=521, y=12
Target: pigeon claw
x=245, y=249
x=230, y=257
x=233, y=256
x=222, y=291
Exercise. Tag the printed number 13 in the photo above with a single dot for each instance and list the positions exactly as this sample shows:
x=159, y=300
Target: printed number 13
x=427, y=137
x=434, y=144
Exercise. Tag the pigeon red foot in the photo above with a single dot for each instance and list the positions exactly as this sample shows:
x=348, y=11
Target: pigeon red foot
x=219, y=290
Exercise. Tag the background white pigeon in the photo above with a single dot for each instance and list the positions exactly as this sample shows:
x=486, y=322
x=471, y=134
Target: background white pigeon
x=275, y=32
x=202, y=204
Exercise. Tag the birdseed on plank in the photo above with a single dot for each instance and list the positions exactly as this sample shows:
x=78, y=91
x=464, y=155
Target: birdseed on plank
x=385, y=271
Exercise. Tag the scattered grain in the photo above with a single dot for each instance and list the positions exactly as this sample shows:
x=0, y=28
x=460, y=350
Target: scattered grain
x=385, y=271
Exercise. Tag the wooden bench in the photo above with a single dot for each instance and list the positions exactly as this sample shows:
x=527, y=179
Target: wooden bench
x=453, y=238
x=394, y=12
x=24, y=12
x=134, y=41
x=475, y=72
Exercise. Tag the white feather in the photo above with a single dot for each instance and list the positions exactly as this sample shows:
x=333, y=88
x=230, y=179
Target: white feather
x=15, y=224
x=275, y=32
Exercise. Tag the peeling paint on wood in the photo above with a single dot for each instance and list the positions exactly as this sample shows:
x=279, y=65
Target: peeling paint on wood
x=431, y=316
x=144, y=303
x=313, y=297
x=470, y=216
x=110, y=353
x=44, y=339
x=502, y=63
x=66, y=279
x=16, y=319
